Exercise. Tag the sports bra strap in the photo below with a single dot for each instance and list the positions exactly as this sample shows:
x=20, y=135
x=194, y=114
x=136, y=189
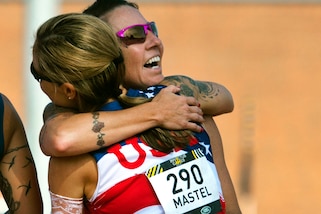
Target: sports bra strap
x=62, y=204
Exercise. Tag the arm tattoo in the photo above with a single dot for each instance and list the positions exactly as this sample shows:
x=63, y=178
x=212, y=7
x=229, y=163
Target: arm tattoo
x=28, y=187
x=29, y=161
x=97, y=129
x=16, y=149
x=179, y=81
x=6, y=190
x=11, y=163
x=189, y=87
x=207, y=90
x=5, y=185
x=186, y=91
x=51, y=111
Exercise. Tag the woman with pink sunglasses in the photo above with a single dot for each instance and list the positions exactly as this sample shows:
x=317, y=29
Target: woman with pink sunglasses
x=142, y=56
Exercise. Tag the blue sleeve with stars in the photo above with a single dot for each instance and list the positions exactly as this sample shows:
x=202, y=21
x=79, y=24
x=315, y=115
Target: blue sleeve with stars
x=150, y=92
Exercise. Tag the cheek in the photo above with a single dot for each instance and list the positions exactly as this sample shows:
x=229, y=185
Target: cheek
x=48, y=89
x=133, y=67
x=133, y=55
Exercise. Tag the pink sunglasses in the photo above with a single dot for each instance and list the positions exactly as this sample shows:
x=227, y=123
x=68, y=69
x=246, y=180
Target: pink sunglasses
x=136, y=34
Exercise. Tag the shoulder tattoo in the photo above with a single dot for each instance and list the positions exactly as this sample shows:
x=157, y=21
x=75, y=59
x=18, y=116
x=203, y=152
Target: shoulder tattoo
x=207, y=89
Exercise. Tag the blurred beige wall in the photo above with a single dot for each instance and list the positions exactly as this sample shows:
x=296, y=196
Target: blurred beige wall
x=268, y=56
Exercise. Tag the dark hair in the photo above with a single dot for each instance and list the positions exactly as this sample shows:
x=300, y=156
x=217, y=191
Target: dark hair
x=158, y=138
x=100, y=7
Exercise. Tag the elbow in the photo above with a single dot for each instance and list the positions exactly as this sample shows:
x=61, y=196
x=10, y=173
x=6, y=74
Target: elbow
x=229, y=103
x=54, y=146
x=226, y=104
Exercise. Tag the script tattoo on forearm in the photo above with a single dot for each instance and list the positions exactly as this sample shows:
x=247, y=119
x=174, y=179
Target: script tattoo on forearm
x=97, y=129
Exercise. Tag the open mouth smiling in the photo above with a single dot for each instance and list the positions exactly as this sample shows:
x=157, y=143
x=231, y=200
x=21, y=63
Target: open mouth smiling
x=152, y=62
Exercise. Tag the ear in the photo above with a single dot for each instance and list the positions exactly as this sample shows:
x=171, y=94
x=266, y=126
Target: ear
x=69, y=90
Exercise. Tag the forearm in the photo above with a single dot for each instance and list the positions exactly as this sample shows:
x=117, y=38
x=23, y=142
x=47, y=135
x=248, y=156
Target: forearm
x=72, y=134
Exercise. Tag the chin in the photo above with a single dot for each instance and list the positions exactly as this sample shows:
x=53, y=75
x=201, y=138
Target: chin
x=156, y=81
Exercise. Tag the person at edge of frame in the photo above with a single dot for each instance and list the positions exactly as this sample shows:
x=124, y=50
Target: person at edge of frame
x=18, y=176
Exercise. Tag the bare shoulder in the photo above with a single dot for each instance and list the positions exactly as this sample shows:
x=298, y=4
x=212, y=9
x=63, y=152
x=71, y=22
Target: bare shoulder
x=9, y=109
x=75, y=173
x=52, y=111
x=75, y=168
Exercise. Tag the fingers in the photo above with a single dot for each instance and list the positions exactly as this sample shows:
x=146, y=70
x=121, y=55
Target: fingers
x=195, y=114
x=192, y=101
x=178, y=112
x=172, y=89
x=189, y=100
x=194, y=127
x=194, y=117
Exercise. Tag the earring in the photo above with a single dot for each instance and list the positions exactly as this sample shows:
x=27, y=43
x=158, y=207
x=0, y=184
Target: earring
x=69, y=98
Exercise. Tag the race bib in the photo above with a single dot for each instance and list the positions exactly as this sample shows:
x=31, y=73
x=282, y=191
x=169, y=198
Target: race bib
x=186, y=184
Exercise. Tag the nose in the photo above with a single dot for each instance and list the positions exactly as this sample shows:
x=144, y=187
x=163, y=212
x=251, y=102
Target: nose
x=153, y=40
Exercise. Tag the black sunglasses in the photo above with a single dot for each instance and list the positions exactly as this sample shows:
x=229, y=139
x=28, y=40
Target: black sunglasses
x=37, y=76
x=136, y=34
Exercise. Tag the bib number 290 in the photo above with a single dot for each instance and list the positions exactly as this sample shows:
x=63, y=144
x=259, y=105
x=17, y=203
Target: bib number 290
x=186, y=175
x=187, y=187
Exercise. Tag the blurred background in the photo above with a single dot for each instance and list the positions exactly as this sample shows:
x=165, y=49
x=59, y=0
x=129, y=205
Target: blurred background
x=267, y=53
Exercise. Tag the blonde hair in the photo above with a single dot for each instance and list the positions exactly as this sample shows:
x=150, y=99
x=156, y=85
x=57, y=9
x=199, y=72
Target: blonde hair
x=83, y=50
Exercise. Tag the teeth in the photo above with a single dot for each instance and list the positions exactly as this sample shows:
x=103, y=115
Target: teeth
x=154, y=59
